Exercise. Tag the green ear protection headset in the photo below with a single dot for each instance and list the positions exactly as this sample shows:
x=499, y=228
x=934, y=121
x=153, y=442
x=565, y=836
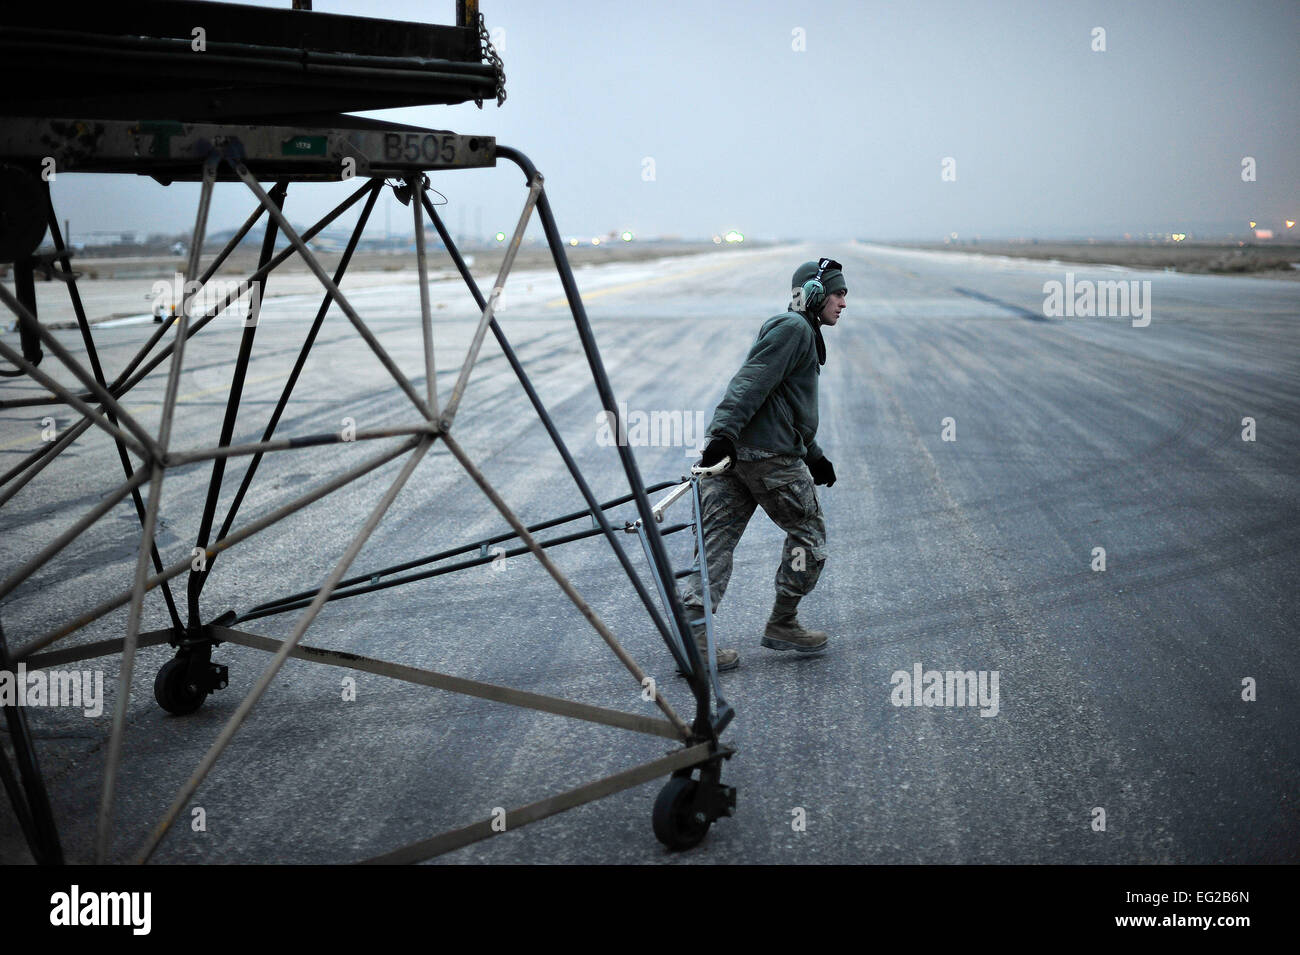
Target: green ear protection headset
x=814, y=294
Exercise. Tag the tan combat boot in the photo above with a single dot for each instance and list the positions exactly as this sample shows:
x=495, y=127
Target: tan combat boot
x=784, y=632
x=727, y=659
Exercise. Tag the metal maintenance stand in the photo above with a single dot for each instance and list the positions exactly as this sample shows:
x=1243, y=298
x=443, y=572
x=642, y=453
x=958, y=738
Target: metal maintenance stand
x=685, y=808
x=378, y=156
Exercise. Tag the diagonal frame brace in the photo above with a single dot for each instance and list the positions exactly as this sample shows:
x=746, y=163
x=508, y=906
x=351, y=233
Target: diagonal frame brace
x=241, y=713
x=144, y=452
x=222, y=544
x=596, y=511
x=130, y=377
x=565, y=584
x=489, y=310
x=100, y=393
x=310, y=258
x=113, y=758
x=416, y=184
x=106, y=504
x=455, y=684
x=457, y=838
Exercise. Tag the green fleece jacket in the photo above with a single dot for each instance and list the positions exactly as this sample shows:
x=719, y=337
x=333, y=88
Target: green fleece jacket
x=771, y=402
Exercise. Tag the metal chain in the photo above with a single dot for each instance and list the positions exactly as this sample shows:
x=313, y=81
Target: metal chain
x=494, y=59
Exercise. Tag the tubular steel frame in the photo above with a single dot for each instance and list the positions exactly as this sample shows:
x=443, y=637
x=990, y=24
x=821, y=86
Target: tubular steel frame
x=193, y=637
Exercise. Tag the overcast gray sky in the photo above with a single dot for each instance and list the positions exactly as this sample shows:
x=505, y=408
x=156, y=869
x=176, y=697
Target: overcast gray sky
x=847, y=137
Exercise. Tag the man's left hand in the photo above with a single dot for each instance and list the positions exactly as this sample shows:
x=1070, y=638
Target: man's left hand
x=822, y=471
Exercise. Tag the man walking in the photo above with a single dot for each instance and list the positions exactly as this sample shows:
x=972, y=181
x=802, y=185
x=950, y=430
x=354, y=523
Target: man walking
x=767, y=424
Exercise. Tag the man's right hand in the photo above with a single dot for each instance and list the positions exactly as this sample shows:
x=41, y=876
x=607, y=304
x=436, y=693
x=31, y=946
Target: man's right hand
x=822, y=471
x=716, y=450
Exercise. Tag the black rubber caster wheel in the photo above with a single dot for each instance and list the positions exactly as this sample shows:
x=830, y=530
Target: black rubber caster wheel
x=677, y=825
x=173, y=693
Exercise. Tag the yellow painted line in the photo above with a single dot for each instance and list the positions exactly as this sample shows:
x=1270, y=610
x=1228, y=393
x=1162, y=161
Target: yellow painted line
x=189, y=396
x=21, y=441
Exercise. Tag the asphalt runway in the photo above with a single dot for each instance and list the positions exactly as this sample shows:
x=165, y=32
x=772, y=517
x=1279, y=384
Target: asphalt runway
x=1118, y=690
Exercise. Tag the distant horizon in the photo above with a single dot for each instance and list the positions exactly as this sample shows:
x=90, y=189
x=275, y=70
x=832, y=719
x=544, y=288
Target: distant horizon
x=843, y=117
x=217, y=237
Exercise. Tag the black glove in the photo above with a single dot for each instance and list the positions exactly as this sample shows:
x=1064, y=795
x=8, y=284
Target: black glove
x=822, y=471
x=716, y=450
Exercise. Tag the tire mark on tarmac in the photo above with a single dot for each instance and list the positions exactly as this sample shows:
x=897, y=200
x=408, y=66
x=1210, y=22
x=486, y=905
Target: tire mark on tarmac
x=1054, y=708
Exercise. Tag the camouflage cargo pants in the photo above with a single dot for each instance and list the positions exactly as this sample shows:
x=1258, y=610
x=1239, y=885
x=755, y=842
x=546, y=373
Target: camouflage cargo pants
x=783, y=487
